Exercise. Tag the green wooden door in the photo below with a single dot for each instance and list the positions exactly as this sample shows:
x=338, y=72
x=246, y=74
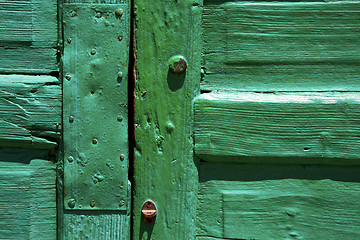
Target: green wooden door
x=30, y=119
x=64, y=119
x=258, y=139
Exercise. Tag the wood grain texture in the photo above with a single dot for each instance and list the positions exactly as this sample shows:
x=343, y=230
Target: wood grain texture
x=320, y=127
x=28, y=36
x=281, y=46
x=100, y=225
x=245, y=201
x=27, y=200
x=164, y=169
x=98, y=1
x=30, y=111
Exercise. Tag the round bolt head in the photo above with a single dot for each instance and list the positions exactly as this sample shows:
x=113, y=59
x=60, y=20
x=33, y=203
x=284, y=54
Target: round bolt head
x=71, y=203
x=119, y=12
x=92, y=203
x=177, y=64
x=94, y=141
x=122, y=157
x=71, y=119
x=70, y=159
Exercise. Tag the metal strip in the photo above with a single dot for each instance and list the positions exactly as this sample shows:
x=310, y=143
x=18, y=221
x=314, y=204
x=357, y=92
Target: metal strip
x=96, y=50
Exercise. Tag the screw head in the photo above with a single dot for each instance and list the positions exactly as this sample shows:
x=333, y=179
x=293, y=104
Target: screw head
x=177, y=64
x=71, y=203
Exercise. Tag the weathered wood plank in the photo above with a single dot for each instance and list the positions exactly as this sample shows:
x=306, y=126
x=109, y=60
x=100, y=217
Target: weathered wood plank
x=320, y=127
x=28, y=36
x=99, y=225
x=30, y=111
x=281, y=45
x=27, y=200
x=98, y=1
x=246, y=201
x=164, y=169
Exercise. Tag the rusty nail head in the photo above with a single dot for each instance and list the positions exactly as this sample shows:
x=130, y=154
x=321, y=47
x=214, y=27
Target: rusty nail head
x=68, y=77
x=73, y=13
x=68, y=40
x=177, y=64
x=122, y=157
x=119, y=12
x=149, y=211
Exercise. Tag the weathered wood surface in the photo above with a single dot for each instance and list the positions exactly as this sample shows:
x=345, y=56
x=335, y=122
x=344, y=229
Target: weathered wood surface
x=245, y=201
x=27, y=200
x=98, y=1
x=98, y=225
x=281, y=45
x=164, y=169
x=30, y=111
x=28, y=36
x=320, y=127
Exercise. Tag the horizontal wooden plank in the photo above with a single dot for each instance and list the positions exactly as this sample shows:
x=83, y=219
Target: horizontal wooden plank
x=30, y=111
x=28, y=36
x=27, y=200
x=281, y=45
x=275, y=127
x=246, y=201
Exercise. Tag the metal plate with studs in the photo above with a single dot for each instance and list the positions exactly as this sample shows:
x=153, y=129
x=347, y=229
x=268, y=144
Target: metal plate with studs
x=96, y=50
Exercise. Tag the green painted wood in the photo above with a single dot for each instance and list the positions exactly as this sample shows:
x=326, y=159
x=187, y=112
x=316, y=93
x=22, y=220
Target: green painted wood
x=281, y=46
x=27, y=200
x=95, y=106
x=30, y=111
x=322, y=127
x=28, y=36
x=97, y=226
x=164, y=169
x=245, y=201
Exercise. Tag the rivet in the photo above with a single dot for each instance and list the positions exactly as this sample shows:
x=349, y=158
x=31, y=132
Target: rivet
x=119, y=12
x=70, y=159
x=93, y=51
x=73, y=13
x=98, y=14
x=177, y=64
x=122, y=157
x=92, y=203
x=94, y=141
x=120, y=118
x=120, y=38
x=169, y=127
x=68, y=77
x=71, y=119
x=68, y=40
x=121, y=203
x=71, y=203
x=120, y=74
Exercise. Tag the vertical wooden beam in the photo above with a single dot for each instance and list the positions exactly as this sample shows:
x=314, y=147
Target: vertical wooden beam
x=164, y=168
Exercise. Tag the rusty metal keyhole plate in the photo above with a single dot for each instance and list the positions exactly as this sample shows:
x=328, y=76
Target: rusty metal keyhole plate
x=149, y=211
